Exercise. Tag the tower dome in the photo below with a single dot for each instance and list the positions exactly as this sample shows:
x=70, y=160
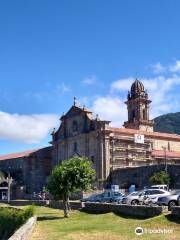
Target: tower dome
x=137, y=89
x=138, y=108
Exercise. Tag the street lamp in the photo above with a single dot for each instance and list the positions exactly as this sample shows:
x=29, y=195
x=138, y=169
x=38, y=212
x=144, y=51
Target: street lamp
x=165, y=158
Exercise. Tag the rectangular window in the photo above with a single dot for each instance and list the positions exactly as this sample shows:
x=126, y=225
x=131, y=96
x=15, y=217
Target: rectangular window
x=75, y=147
x=92, y=159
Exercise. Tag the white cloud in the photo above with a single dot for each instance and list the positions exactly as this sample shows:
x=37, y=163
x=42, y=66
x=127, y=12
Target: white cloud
x=151, y=84
x=89, y=80
x=63, y=88
x=163, y=96
x=158, y=68
x=175, y=67
x=122, y=84
x=110, y=108
x=26, y=128
x=160, y=90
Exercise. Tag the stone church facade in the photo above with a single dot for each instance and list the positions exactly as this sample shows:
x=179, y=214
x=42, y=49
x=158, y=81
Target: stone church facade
x=128, y=154
x=115, y=148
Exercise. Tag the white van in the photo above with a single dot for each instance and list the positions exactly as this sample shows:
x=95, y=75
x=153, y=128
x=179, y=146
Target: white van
x=162, y=186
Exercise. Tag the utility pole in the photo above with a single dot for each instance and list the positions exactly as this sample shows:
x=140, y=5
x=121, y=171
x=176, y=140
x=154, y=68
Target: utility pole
x=165, y=158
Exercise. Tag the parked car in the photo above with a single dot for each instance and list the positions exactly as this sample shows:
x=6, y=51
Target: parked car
x=106, y=196
x=154, y=194
x=92, y=198
x=110, y=197
x=170, y=200
x=161, y=186
x=178, y=200
x=131, y=198
x=136, y=198
x=116, y=197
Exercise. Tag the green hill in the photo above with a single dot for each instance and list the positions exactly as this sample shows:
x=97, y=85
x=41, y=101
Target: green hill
x=169, y=123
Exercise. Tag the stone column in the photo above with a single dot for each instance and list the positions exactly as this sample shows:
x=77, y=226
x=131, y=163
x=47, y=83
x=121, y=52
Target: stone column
x=87, y=145
x=100, y=157
x=147, y=112
x=106, y=157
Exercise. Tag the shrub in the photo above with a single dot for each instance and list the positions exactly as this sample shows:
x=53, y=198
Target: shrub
x=11, y=219
x=28, y=212
x=160, y=178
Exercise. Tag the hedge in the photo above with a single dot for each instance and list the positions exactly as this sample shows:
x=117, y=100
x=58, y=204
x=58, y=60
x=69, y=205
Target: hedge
x=11, y=219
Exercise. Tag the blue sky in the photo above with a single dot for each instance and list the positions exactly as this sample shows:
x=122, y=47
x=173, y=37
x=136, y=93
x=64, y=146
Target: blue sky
x=53, y=50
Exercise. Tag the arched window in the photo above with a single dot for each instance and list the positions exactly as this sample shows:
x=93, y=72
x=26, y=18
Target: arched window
x=144, y=114
x=133, y=114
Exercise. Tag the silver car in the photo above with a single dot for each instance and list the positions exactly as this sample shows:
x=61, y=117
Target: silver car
x=138, y=197
x=170, y=201
x=131, y=198
x=178, y=200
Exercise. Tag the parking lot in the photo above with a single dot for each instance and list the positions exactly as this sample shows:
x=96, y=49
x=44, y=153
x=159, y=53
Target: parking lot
x=158, y=195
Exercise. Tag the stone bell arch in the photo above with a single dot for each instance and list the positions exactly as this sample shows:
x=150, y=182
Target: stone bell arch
x=5, y=185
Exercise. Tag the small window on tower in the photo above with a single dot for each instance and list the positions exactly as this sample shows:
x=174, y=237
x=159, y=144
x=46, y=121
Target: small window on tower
x=144, y=114
x=133, y=114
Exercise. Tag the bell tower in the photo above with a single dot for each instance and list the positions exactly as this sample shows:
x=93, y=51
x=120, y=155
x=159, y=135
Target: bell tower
x=138, y=108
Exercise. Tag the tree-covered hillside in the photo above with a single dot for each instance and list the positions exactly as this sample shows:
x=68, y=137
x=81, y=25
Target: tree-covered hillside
x=169, y=123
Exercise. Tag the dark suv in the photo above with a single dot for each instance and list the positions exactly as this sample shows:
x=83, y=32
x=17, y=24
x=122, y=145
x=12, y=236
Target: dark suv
x=106, y=196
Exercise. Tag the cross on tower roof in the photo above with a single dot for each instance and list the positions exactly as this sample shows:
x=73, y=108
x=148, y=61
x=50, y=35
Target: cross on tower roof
x=75, y=101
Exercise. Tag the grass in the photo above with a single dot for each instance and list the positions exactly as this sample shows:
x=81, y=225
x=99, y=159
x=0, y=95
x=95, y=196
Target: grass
x=51, y=225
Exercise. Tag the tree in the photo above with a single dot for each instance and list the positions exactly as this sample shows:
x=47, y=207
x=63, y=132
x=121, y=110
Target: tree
x=2, y=176
x=73, y=175
x=160, y=178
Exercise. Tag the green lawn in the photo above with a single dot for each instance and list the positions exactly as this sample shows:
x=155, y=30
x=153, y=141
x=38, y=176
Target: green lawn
x=52, y=226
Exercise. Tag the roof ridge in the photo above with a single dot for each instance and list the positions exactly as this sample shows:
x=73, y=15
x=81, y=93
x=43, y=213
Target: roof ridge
x=144, y=132
x=18, y=154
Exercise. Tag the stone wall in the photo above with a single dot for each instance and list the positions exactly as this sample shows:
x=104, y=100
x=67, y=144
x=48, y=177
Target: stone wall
x=29, y=173
x=140, y=176
x=136, y=211
x=171, y=145
x=48, y=203
x=176, y=211
x=16, y=169
x=37, y=169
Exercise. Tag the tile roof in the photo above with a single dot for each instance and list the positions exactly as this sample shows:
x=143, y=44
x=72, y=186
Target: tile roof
x=160, y=153
x=17, y=155
x=129, y=131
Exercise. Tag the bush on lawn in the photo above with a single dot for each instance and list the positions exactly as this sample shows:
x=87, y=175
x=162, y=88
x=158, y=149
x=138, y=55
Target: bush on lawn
x=11, y=219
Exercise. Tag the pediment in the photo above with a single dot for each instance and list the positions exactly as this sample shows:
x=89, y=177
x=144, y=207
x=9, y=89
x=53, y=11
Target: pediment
x=74, y=110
